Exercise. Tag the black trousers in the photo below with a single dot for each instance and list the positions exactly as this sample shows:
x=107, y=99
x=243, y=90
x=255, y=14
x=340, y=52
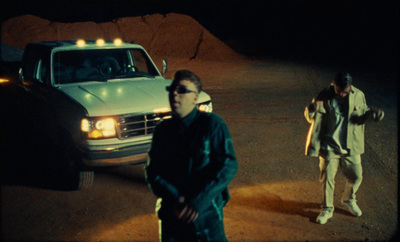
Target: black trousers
x=208, y=226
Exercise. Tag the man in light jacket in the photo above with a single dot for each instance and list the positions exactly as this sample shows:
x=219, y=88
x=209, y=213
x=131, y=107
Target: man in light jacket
x=336, y=135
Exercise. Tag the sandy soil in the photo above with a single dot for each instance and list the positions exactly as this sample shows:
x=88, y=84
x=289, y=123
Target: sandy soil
x=275, y=194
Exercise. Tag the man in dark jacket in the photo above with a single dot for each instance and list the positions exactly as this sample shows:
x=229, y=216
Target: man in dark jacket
x=191, y=162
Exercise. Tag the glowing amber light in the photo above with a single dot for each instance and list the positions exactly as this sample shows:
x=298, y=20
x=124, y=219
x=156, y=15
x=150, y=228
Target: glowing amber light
x=85, y=125
x=80, y=43
x=118, y=42
x=95, y=134
x=100, y=42
x=2, y=80
x=162, y=110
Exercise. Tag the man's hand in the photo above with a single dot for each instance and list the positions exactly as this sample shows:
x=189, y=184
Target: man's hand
x=318, y=105
x=185, y=212
x=315, y=106
x=377, y=114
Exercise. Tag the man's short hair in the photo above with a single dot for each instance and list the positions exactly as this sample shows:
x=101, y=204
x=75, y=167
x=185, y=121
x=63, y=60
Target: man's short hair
x=343, y=79
x=187, y=75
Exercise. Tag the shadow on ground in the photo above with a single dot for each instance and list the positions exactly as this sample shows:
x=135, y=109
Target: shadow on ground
x=272, y=202
x=27, y=157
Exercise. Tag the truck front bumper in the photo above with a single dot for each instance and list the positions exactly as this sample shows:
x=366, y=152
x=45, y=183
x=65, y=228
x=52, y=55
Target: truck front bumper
x=106, y=155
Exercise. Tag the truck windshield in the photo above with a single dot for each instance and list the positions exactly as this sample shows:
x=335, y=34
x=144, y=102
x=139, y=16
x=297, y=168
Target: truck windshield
x=75, y=66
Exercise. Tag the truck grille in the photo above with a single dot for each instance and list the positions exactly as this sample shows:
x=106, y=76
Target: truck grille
x=138, y=125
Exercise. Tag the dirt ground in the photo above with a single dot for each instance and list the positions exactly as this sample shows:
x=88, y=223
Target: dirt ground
x=275, y=194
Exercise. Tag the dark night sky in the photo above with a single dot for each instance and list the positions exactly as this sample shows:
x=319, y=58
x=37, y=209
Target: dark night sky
x=348, y=31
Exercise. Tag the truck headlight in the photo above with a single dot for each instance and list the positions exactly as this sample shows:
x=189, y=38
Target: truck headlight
x=97, y=128
x=205, y=107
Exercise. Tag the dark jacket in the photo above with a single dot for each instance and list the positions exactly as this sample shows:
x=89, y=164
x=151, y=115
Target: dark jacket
x=192, y=157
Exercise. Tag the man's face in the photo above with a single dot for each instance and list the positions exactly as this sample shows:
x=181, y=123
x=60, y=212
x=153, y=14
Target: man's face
x=183, y=97
x=342, y=92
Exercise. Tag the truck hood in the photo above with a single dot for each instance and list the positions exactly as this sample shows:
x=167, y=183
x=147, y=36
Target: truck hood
x=119, y=97
x=122, y=96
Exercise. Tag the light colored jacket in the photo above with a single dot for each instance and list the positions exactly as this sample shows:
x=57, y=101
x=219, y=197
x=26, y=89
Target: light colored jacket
x=358, y=113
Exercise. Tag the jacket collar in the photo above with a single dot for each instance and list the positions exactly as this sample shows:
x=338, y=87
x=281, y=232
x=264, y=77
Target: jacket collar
x=189, y=119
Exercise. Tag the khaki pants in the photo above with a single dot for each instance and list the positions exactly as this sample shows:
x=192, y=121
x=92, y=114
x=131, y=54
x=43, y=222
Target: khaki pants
x=352, y=169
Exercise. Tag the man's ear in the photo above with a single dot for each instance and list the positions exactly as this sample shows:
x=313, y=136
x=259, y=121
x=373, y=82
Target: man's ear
x=196, y=98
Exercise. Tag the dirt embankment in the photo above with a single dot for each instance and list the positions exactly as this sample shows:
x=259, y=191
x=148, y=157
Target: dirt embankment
x=171, y=35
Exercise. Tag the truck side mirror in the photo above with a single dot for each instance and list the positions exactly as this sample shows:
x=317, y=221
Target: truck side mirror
x=22, y=79
x=164, y=66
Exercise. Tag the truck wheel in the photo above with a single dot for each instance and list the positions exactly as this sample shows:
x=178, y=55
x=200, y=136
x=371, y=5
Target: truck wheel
x=79, y=177
x=76, y=176
x=84, y=179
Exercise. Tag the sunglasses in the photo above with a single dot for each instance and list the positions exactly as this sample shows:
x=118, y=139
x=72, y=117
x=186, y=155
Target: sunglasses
x=179, y=89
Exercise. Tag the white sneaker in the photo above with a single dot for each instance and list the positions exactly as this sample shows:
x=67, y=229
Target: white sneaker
x=325, y=214
x=353, y=208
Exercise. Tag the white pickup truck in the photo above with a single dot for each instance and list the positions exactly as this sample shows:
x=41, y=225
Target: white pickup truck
x=98, y=100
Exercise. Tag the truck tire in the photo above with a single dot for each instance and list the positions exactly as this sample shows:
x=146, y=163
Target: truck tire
x=84, y=180
x=76, y=175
